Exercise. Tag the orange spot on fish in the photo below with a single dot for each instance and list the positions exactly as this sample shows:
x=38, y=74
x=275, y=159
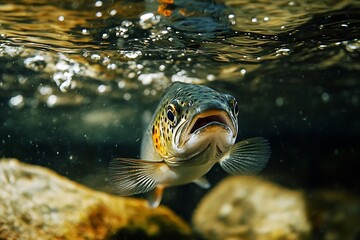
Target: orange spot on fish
x=157, y=142
x=162, y=9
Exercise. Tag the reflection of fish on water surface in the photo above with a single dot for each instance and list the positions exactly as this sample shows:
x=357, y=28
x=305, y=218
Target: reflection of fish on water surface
x=193, y=128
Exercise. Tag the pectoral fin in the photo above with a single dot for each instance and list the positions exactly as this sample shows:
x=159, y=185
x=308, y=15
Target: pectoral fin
x=202, y=182
x=133, y=176
x=247, y=157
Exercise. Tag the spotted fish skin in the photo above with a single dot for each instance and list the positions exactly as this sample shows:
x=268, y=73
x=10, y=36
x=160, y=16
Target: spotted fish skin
x=193, y=128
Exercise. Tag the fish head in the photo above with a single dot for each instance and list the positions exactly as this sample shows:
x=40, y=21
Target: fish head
x=191, y=117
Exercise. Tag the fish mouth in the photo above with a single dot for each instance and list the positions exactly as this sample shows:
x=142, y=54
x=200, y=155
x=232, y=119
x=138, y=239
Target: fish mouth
x=213, y=122
x=209, y=120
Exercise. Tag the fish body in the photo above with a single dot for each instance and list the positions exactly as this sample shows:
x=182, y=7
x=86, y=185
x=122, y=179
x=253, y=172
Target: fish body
x=193, y=128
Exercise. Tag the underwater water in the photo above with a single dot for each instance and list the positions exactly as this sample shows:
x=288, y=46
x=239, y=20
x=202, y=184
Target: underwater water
x=79, y=80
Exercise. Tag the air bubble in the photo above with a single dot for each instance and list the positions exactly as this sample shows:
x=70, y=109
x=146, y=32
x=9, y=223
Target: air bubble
x=121, y=84
x=146, y=92
x=127, y=96
x=63, y=80
x=112, y=66
x=62, y=66
x=103, y=89
x=283, y=51
x=131, y=54
x=66, y=69
x=22, y=80
x=352, y=46
x=131, y=75
x=210, y=77
x=85, y=31
x=279, y=101
x=162, y=67
x=325, y=97
x=52, y=101
x=148, y=20
x=146, y=16
x=148, y=78
x=98, y=3
x=113, y=12
x=95, y=57
x=36, y=63
x=45, y=90
x=17, y=101
x=105, y=36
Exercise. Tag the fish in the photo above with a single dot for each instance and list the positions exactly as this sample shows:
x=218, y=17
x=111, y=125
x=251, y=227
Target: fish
x=193, y=128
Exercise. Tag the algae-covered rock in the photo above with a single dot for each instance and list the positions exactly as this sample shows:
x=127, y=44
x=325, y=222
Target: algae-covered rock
x=36, y=203
x=244, y=207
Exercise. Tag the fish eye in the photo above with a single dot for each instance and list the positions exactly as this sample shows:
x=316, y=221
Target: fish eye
x=170, y=113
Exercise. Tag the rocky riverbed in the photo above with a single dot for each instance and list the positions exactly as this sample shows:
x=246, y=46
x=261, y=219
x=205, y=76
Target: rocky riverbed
x=37, y=203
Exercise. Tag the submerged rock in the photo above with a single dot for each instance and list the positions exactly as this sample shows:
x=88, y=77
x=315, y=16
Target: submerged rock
x=243, y=207
x=36, y=203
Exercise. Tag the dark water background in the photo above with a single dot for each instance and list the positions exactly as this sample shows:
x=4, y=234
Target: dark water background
x=80, y=79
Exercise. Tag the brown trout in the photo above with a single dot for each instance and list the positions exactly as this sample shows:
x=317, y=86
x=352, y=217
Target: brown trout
x=193, y=128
